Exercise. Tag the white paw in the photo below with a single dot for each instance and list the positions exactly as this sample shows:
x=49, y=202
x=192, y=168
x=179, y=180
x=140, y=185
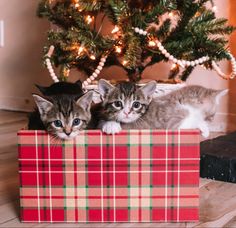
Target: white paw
x=205, y=134
x=111, y=127
x=204, y=130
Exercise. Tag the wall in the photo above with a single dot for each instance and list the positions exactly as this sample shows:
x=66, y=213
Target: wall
x=20, y=58
x=21, y=65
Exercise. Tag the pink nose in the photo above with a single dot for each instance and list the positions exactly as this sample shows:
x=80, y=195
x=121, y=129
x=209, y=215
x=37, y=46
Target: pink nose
x=127, y=114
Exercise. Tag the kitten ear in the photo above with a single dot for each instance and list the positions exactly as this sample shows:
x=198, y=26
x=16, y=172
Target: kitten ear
x=42, y=89
x=220, y=93
x=149, y=89
x=43, y=105
x=104, y=87
x=85, y=101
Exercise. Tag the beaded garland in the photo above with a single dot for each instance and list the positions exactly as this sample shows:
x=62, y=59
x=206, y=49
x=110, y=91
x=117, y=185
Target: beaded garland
x=182, y=63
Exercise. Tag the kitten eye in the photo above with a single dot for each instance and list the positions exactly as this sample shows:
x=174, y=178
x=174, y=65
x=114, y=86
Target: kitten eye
x=117, y=104
x=57, y=123
x=136, y=105
x=76, y=122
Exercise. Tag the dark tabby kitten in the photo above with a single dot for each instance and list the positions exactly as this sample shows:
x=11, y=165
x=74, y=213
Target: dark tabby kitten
x=63, y=116
x=73, y=89
x=58, y=88
x=123, y=103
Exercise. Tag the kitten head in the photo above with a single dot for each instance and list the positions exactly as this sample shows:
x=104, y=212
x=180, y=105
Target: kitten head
x=125, y=102
x=62, y=88
x=64, y=117
x=205, y=100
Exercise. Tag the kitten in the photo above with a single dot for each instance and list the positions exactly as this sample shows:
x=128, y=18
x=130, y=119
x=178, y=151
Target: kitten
x=57, y=88
x=123, y=103
x=187, y=108
x=73, y=89
x=63, y=116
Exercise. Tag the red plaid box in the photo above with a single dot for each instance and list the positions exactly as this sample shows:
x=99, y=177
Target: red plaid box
x=134, y=176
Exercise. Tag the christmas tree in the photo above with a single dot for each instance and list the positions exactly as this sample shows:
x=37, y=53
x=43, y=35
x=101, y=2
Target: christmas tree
x=143, y=33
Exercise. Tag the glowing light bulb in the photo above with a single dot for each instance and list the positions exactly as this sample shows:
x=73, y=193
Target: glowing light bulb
x=77, y=5
x=80, y=50
x=93, y=57
x=174, y=66
x=171, y=14
x=89, y=19
x=124, y=62
x=151, y=43
x=115, y=29
x=215, y=9
x=118, y=49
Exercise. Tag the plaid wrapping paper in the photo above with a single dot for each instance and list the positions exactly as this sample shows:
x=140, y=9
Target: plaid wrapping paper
x=134, y=176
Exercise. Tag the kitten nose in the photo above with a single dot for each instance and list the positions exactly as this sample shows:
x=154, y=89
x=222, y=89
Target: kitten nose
x=67, y=133
x=127, y=114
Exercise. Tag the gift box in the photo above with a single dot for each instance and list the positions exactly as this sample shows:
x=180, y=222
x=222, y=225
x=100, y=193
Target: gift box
x=133, y=176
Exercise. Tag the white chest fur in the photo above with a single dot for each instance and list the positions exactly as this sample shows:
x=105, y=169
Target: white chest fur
x=194, y=120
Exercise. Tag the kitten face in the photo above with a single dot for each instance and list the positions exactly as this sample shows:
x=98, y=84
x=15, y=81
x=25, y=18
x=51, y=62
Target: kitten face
x=125, y=102
x=64, y=117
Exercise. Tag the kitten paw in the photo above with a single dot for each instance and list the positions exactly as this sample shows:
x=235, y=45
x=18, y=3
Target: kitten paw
x=204, y=130
x=111, y=127
x=205, y=134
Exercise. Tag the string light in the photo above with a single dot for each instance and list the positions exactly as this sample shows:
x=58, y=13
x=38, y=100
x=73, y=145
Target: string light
x=80, y=50
x=215, y=9
x=174, y=66
x=152, y=43
x=89, y=19
x=93, y=57
x=124, y=62
x=171, y=14
x=115, y=29
x=118, y=49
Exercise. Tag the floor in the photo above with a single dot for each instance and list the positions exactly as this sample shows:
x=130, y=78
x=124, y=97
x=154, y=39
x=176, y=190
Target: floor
x=217, y=199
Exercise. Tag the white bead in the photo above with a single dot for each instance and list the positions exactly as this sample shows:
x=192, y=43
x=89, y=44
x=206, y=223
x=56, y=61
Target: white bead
x=183, y=62
x=159, y=44
x=140, y=32
x=188, y=63
x=85, y=83
x=94, y=74
x=192, y=63
x=101, y=64
x=179, y=62
x=196, y=62
x=47, y=61
x=167, y=55
x=51, y=71
x=136, y=29
x=97, y=71
x=89, y=80
x=164, y=52
x=144, y=33
x=171, y=57
x=99, y=68
x=175, y=60
x=103, y=60
x=92, y=78
x=161, y=48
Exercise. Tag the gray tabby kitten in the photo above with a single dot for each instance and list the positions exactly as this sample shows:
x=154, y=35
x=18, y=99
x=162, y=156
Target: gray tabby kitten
x=62, y=116
x=123, y=103
x=191, y=107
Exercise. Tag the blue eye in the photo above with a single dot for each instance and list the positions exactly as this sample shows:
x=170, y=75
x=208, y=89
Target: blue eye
x=57, y=123
x=76, y=122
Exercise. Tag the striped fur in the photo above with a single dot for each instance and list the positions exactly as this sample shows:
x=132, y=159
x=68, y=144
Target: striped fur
x=65, y=109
